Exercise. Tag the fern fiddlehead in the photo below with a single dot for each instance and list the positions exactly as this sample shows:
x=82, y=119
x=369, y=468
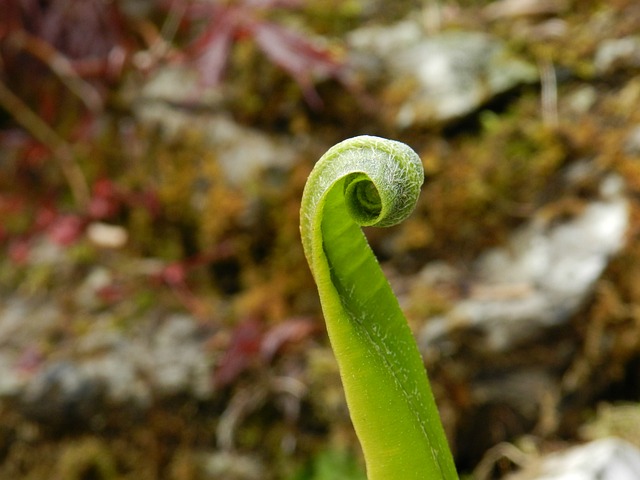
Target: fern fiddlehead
x=371, y=181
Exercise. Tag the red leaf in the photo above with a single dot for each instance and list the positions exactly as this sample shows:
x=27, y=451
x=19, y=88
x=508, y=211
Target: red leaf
x=112, y=293
x=290, y=331
x=104, y=187
x=105, y=201
x=213, y=46
x=174, y=274
x=100, y=208
x=66, y=230
x=299, y=57
x=242, y=351
x=19, y=251
x=45, y=216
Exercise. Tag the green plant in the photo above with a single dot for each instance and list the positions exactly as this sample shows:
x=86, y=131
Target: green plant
x=331, y=464
x=367, y=181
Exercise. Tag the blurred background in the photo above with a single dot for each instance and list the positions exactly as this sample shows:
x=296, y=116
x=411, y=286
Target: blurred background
x=157, y=316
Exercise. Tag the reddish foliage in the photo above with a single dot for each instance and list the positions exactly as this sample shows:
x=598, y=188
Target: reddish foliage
x=34, y=154
x=292, y=51
x=174, y=274
x=242, y=352
x=251, y=345
x=293, y=330
x=56, y=50
x=89, y=34
x=46, y=214
x=112, y=293
x=11, y=205
x=66, y=229
x=105, y=200
x=19, y=250
x=59, y=50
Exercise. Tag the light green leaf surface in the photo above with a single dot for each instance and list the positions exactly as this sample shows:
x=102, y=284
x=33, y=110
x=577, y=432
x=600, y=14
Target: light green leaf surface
x=358, y=182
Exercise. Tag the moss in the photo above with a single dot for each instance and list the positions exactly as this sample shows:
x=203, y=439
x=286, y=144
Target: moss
x=85, y=458
x=222, y=206
x=620, y=420
x=481, y=187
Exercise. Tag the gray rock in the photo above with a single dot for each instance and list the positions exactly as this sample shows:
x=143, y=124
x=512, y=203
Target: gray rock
x=455, y=74
x=632, y=141
x=158, y=358
x=540, y=277
x=383, y=41
x=618, y=53
x=232, y=466
x=178, y=86
x=173, y=101
x=605, y=459
x=582, y=100
x=178, y=359
x=521, y=8
x=22, y=324
x=446, y=76
x=61, y=393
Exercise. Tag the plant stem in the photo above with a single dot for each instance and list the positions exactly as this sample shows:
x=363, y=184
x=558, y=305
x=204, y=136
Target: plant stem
x=372, y=181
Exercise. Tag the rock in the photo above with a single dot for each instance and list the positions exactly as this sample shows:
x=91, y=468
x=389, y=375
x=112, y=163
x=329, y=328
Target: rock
x=11, y=382
x=179, y=362
x=442, y=77
x=178, y=86
x=540, y=278
x=20, y=356
x=105, y=364
x=105, y=235
x=174, y=101
x=614, y=54
x=583, y=99
x=520, y=8
x=380, y=42
x=232, y=466
x=605, y=459
x=632, y=142
x=61, y=394
x=88, y=292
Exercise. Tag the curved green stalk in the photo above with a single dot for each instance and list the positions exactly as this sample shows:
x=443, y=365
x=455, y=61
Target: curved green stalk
x=367, y=181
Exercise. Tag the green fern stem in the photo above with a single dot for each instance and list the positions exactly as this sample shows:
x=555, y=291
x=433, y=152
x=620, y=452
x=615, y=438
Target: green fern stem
x=371, y=181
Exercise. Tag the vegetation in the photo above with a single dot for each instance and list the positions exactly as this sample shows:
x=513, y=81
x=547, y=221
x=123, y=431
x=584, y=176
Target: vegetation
x=75, y=155
x=370, y=181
